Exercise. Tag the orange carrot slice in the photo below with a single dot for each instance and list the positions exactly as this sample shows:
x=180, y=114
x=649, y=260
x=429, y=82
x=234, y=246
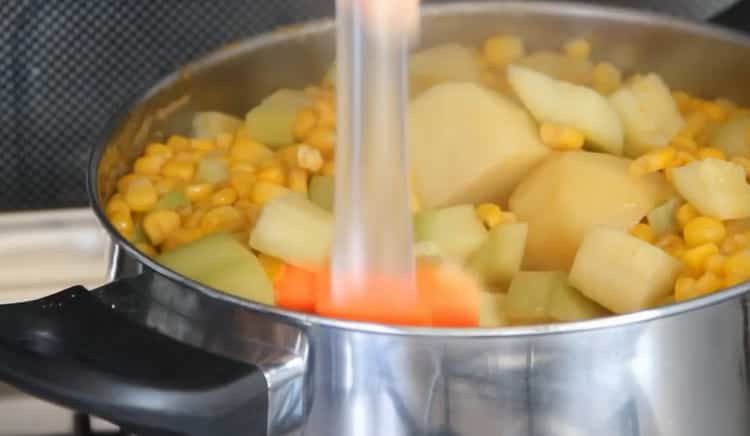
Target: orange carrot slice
x=295, y=289
x=452, y=295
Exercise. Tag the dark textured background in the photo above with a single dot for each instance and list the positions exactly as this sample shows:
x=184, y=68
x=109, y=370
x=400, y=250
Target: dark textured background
x=67, y=65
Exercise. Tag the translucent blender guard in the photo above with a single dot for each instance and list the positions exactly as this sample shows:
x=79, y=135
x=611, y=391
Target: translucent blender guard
x=373, y=243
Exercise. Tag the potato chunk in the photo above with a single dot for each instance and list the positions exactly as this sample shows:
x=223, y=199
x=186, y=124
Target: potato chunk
x=442, y=64
x=621, y=272
x=468, y=144
x=570, y=193
x=715, y=187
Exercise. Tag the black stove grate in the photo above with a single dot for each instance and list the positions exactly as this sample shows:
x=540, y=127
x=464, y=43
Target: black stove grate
x=82, y=427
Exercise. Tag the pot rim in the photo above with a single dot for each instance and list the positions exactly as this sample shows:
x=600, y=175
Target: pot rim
x=307, y=320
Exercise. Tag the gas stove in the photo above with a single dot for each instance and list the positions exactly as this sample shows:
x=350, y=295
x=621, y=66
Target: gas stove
x=41, y=253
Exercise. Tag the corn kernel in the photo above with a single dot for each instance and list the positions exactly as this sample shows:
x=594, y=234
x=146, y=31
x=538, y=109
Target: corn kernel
x=508, y=218
x=578, y=48
x=224, y=197
x=695, y=123
x=309, y=158
x=606, y=78
x=245, y=149
x=166, y=184
x=652, y=161
x=685, y=213
x=672, y=244
x=643, y=232
x=701, y=230
x=199, y=191
x=329, y=168
x=695, y=258
x=321, y=138
x=707, y=283
x=141, y=195
x=179, y=169
x=252, y=210
x=298, y=180
x=499, y=51
x=711, y=153
x=305, y=121
x=181, y=236
x=273, y=174
x=146, y=249
x=122, y=221
x=159, y=150
x=273, y=266
x=148, y=165
x=178, y=143
x=243, y=183
x=683, y=288
x=264, y=192
x=684, y=141
x=195, y=218
x=326, y=114
x=242, y=167
x=714, y=111
x=224, y=141
x=738, y=265
x=159, y=224
x=202, y=144
x=561, y=137
x=715, y=264
x=124, y=183
x=490, y=214
x=730, y=281
x=222, y=218
x=117, y=204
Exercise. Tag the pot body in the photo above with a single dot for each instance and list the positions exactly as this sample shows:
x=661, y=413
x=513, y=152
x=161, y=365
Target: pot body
x=682, y=374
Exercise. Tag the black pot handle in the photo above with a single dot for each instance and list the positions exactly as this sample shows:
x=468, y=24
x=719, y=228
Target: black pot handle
x=736, y=17
x=72, y=349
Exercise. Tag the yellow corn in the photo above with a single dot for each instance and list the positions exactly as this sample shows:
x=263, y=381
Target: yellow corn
x=711, y=153
x=224, y=141
x=273, y=174
x=578, y=48
x=146, y=249
x=264, y=191
x=202, y=144
x=245, y=149
x=166, y=184
x=159, y=150
x=672, y=244
x=178, y=143
x=326, y=114
x=159, y=224
x=122, y=221
x=695, y=123
x=179, y=169
x=141, y=195
x=502, y=50
x=738, y=265
x=701, y=230
x=222, y=218
x=305, y=121
x=273, y=266
x=194, y=220
x=652, y=161
x=695, y=258
x=489, y=79
x=148, y=165
x=252, y=210
x=716, y=263
x=685, y=213
x=242, y=167
x=684, y=101
x=490, y=214
x=329, y=168
x=243, y=183
x=321, y=138
x=714, y=110
x=643, y=232
x=508, y=218
x=606, y=78
x=684, y=141
x=224, y=197
x=199, y=191
x=298, y=180
x=309, y=158
x=683, y=288
x=117, y=204
x=124, y=183
x=733, y=280
x=181, y=236
x=707, y=283
x=561, y=137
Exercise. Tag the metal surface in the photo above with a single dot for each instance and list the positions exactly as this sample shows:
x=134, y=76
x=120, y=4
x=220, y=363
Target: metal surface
x=675, y=371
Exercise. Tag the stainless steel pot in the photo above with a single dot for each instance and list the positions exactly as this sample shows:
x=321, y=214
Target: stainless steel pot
x=209, y=364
